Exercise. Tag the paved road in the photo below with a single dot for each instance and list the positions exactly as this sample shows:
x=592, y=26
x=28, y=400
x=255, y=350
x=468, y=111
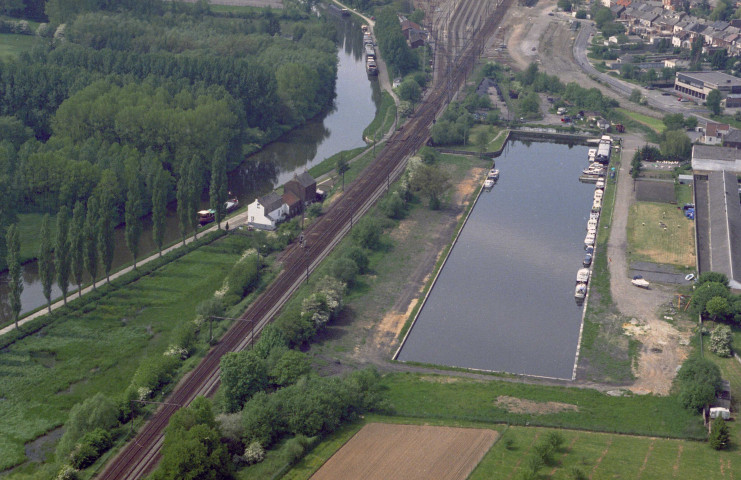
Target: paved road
x=654, y=97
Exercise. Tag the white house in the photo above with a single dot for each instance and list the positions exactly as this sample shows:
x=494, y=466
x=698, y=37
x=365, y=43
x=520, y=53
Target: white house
x=267, y=211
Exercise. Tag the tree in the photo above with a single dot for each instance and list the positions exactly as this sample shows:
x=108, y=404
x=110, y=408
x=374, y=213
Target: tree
x=564, y=5
x=716, y=277
x=46, y=260
x=367, y=233
x=410, y=90
x=218, y=190
x=704, y=293
x=97, y=411
x=697, y=382
x=91, y=239
x=106, y=241
x=192, y=448
x=132, y=217
x=183, y=199
x=431, y=181
x=344, y=269
x=159, y=207
x=676, y=145
x=674, y=121
x=341, y=168
x=242, y=375
x=291, y=365
x=635, y=96
x=718, y=307
x=15, y=273
x=61, y=251
x=713, y=102
x=77, y=245
x=194, y=192
x=719, y=438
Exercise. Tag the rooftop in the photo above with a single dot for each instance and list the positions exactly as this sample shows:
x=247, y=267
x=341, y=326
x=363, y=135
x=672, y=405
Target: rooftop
x=709, y=158
x=716, y=78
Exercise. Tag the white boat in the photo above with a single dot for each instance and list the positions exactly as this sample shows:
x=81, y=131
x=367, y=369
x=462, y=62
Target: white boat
x=600, y=184
x=597, y=206
x=580, y=291
x=582, y=275
x=594, y=215
x=640, y=282
x=488, y=183
x=598, y=194
x=493, y=174
x=589, y=239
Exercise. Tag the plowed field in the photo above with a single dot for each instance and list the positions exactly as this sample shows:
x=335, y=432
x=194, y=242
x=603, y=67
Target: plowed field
x=382, y=451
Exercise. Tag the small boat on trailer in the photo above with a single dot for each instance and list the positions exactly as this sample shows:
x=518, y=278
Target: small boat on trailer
x=640, y=282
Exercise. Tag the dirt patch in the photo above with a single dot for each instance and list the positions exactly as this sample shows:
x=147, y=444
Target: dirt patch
x=381, y=451
x=465, y=189
x=519, y=405
x=391, y=324
x=439, y=379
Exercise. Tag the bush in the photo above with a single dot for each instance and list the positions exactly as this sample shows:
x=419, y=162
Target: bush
x=712, y=277
x=83, y=456
x=254, y=453
x=367, y=233
x=99, y=439
x=720, y=341
x=243, y=277
x=393, y=206
x=291, y=365
x=719, y=437
x=314, y=210
x=67, y=473
x=345, y=270
x=697, y=382
x=242, y=375
x=154, y=373
x=704, y=293
x=357, y=255
x=97, y=412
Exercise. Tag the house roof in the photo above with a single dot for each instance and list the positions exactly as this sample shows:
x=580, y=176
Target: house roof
x=305, y=180
x=713, y=129
x=733, y=136
x=272, y=201
x=407, y=24
x=290, y=199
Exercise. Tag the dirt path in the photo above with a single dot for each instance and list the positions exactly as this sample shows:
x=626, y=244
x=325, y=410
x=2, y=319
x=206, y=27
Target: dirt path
x=661, y=351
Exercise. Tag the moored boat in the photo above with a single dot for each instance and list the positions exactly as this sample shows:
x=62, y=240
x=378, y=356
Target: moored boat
x=493, y=174
x=206, y=216
x=488, y=183
x=231, y=204
x=582, y=275
x=580, y=291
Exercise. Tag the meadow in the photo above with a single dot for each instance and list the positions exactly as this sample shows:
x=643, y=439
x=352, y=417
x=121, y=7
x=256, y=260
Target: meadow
x=659, y=232
x=99, y=347
x=12, y=45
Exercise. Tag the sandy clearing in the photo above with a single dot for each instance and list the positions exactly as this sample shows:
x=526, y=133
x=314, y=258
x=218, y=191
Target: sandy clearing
x=520, y=405
x=412, y=452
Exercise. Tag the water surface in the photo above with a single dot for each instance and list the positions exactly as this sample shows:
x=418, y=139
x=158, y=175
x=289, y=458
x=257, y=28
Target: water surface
x=504, y=301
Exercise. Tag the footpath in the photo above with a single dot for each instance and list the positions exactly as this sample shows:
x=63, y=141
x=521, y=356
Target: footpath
x=235, y=220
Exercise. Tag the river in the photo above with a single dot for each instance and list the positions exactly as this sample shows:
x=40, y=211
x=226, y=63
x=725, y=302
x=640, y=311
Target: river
x=339, y=128
x=504, y=300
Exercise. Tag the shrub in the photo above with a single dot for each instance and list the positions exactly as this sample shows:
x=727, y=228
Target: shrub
x=314, y=210
x=291, y=365
x=242, y=375
x=83, y=456
x=712, y=277
x=296, y=447
x=720, y=341
x=344, y=269
x=697, y=382
x=243, y=277
x=230, y=425
x=99, y=439
x=96, y=412
x=367, y=233
x=393, y=206
x=719, y=438
x=704, y=293
x=67, y=473
x=357, y=255
x=154, y=373
x=254, y=453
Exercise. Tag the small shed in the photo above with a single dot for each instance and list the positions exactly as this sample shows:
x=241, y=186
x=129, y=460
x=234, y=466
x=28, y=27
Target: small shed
x=685, y=179
x=303, y=187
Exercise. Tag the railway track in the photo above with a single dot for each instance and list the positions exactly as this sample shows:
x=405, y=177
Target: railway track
x=140, y=456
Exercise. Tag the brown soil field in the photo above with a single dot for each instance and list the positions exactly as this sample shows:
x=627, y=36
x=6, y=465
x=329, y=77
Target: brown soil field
x=382, y=451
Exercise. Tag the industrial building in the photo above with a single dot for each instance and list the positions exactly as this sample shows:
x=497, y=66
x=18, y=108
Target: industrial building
x=699, y=84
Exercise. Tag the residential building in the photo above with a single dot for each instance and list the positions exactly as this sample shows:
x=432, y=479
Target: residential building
x=303, y=187
x=714, y=133
x=267, y=211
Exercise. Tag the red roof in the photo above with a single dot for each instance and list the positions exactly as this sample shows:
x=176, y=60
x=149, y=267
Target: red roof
x=291, y=200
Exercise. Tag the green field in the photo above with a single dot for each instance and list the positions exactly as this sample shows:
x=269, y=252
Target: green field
x=654, y=123
x=660, y=233
x=12, y=45
x=45, y=374
x=683, y=193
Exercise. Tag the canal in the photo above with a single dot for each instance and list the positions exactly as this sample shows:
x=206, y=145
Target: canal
x=504, y=300
x=339, y=128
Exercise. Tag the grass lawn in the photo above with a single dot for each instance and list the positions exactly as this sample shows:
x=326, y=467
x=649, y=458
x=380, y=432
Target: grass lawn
x=29, y=226
x=384, y=118
x=12, y=45
x=660, y=233
x=100, y=348
x=599, y=455
x=654, y=123
x=439, y=397
x=683, y=193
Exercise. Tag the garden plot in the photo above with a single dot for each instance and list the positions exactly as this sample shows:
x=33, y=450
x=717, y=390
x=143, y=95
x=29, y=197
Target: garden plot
x=381, y=451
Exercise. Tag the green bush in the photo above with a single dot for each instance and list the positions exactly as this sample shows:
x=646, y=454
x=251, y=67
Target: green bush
x=697, y=381
x=367, y=233
x=357, y=255
x=154, y=373
x=243, y=277
x=719, y=438
x=67, y=473
x=99, y=439
x=296, y=448
x=393, y=206
x=95, y=412
x=83, y=456
x=345, y=270
x=720, y=341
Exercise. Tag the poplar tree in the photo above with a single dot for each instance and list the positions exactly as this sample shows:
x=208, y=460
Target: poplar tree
x=46, y=260
x=159, y=208
x=91, y=239
x=194, y=192
x=183, y=199
x=77, y=245
x=61, y=251
x=106, y=242
x=15, y=274
x=132, y=216
x=218, y=188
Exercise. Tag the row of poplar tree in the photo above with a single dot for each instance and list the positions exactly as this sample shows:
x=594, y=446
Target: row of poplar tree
x=85, y=242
